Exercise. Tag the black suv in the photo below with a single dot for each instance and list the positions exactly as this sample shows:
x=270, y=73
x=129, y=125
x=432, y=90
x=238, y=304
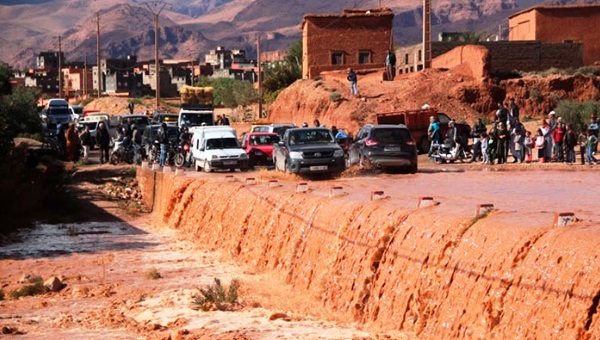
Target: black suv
x=384, y=146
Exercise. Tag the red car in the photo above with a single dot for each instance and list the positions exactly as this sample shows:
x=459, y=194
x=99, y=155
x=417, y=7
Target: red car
x=259, y=147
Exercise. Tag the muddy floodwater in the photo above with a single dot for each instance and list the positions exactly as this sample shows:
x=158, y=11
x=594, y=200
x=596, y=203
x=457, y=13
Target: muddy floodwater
x=370, y=253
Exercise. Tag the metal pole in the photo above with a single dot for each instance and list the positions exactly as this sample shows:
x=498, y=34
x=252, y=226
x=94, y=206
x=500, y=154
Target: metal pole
x=260, y=94
x=156, y=45
x=99, y=75
x=157, y=63
x=60, y=75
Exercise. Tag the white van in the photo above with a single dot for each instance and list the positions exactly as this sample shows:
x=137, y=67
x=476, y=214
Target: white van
x=217, y=147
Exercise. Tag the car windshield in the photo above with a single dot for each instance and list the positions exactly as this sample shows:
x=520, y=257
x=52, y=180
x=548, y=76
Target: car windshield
x=59, y=111
x=307, y=136
x=222, y=143
x=280, y=130
x=263, y=140
x=90, y=125
x=196, y=119
x=391, y=135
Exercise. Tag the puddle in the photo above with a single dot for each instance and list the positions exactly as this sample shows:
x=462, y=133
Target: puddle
x=47, y=240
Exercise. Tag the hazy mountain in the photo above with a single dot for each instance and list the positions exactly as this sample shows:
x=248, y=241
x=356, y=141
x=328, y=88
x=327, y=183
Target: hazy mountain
x=190, y=28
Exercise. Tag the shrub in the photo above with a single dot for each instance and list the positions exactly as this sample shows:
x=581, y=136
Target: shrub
x=358, y=116
x=335, y=97
x=36, y=288
x=577, y=113
x=216, y=297
x=153, y=274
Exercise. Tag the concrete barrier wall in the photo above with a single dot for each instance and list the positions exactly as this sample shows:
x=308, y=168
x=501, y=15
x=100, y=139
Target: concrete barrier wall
x=390, y=269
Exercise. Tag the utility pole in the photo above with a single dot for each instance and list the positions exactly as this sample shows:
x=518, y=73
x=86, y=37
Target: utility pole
x=84, y=87
x=98, y=54
x=426, y=34
x=260, y=93
x=60, y=74
x=159, y=6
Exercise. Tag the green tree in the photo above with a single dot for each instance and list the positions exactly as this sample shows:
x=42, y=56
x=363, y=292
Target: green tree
x=576, y=113
x=282, y=74
x=230, y=92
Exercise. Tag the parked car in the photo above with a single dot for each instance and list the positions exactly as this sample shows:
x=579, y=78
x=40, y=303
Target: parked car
x=217, y=147
x=141, y=121
x=259, y=147
x=278, y=128
x=384, y=146
x=169, y=118
x=77, y=112
x=308, y=150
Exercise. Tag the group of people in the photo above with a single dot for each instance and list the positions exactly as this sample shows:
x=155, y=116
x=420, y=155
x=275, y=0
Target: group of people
x=553, y=141
x=74, y=142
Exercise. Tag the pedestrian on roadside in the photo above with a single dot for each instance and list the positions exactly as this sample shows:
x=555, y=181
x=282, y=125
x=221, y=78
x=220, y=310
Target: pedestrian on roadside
x=353, y=82
x=390, y=65
x=528, y=146
x=485, y=140
x=478, y=129
x=86, y=142
x=316, y=122
x=163, y=141
x=61, y=138
x=502, y=140
x=73, y=143
x=569, y=144
x=540, y=143
x=513, y=112
x=558, y=136
x=518, y=145
x=591, y=142
x=546, y=132
x=130, y=106
x=103, y=140
x=594, y=129
x=433, y=134
x=136, y=139
x=224, y=120
x=582, y=141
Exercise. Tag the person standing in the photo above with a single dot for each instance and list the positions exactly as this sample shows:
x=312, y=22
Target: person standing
x=478, y=129
x=164, y=143
x=136, y=139
x=569, y=143
x=353, y=82
x=103, y=140
x=591, y=142
x=130, y=106
x=485, y=140
x=513, y=112
x=503, y=139
x=528, y=146
x=86, y=141
x=390, y=65
x=73, y=143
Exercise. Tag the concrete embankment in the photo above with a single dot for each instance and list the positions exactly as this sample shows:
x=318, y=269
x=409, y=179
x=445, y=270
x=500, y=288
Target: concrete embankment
x=430, y=271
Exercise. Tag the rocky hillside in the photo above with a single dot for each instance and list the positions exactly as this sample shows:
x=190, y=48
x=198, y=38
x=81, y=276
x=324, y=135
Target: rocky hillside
x=191, y=28
x=461, y=97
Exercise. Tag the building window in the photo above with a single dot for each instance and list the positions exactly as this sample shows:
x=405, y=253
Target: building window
x=337, y=58
x=364, y=57
x=419, y=56
x=406, y=58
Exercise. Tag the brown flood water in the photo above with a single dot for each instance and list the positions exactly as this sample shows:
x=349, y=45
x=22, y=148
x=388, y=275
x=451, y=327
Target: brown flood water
x=436, y=271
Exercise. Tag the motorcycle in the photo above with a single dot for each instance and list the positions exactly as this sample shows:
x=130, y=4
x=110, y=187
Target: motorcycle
x=181, y=154
x=442, y=153
x=122, y=151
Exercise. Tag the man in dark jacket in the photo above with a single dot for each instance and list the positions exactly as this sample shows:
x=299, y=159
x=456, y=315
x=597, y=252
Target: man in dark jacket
x=478, y=129
x=103, y=139
x=390, y=65
x=353, y=82
x=163, y=140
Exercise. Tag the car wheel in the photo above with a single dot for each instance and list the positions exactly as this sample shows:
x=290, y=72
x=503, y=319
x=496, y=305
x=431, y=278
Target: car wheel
x=197, y=165
x=413, y=168
x=206, y=167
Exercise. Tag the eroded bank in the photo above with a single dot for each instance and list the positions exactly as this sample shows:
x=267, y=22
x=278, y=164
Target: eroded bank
x=437, y=271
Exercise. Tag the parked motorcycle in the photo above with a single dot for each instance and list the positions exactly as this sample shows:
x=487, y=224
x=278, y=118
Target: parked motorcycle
x=443, y=153
x=122, y=151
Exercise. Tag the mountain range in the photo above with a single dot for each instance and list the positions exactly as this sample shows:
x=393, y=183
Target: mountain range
x=190, y=28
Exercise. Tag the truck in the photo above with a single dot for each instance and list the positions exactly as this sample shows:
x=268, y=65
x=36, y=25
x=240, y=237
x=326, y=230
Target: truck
x=417, y=122
x=217, y=147
x=197, y=107
x=308, y=151
x=56, y=112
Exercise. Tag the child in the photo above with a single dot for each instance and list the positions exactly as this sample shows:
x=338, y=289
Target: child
x=485, y=140
x=590, y=147
x=518, y=145
x=528, y=146
x=540, y=144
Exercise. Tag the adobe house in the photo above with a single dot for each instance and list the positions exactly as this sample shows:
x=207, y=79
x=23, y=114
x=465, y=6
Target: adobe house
x=558, y=24
x=356, y=38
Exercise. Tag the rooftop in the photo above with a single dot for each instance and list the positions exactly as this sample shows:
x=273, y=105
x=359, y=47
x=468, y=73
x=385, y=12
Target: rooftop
x=554, y=8
x=351, y=13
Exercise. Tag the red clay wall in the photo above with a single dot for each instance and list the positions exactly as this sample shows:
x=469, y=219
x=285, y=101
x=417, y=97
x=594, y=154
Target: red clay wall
x=507, y=56
x=556, y=25
x=426, y=270
x=321, y=36
x=470, y=60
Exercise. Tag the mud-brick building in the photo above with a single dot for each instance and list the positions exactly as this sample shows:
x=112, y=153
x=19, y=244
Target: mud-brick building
x=356, y=38
x=560, y=24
